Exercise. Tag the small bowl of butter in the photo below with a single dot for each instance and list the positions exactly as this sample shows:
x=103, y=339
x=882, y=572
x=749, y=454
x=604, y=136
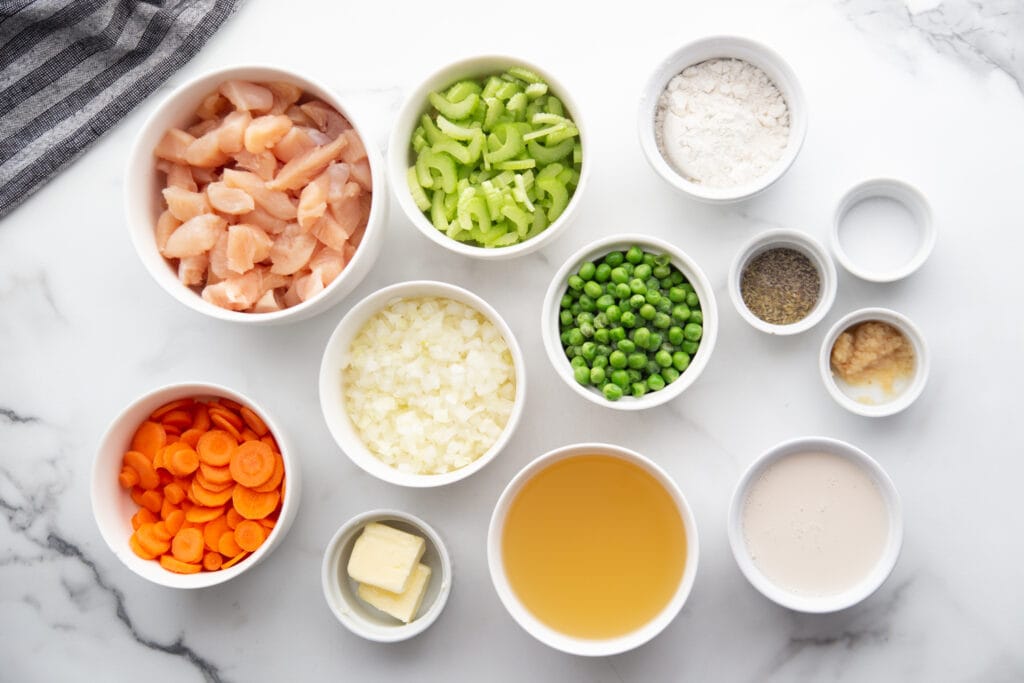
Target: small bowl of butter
x=386, y=575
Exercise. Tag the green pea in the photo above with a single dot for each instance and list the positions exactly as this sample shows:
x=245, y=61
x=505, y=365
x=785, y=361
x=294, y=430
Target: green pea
x=575, y=309
x=587, y=330
x=619, y=276
x=565, y=317
x=663, y=358
x=689, y=347
x=597, y=376
x=604, y=301
x=614, y=259
x=578, y=361
x=592, y=289
x=655, y=341
x=618, y=359
x=626, y=346
x=649, y=259
x=572, y=351
x=603, y=350
x=639, y=389
x=609, y=288
x=662, y=271
x=628, y=319
x=697, y=317
x=623, y=291
x=584, y=318
x=588, y=350
x=652, y=297
x=620, y=378
x=602, y=273
x=680, y=360
x=600, y=321
x=677, y=277
x=637, y=300
x=565, y=338
x=666, y=283
x=661, y=321
x=628, y=267
x=637, y=286
x=675, y=335
x=566, y=301
x=614, y=313
x=647, y=312
x=601, y=336
x=652, y=368
x=693, y=331
x=670, y=375
x=587, y=304
x=677, y=295
x=681, y=313
x=692, y=300
x=587, y=271
x=575, y=282
x=637, y=360
x=612, y=392
x=582, y=375
x=633, y=375
x=575, y=337
x=655, y=383
x=664, y=305
x=642, y=271
x=617, y=334
x=642, y=337
x=598, y=363
x=635, y=255
x=687, y=287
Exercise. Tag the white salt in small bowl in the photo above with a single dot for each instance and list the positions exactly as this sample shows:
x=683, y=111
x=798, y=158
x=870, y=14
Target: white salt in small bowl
x=341, y=591
x=873, y=401
x=788, y=239
x=729, y=47
x=332, y=401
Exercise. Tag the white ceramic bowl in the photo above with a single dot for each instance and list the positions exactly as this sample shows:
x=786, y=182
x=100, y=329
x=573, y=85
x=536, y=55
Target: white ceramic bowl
x=143, y=202
x=715, y=47
x=400, y=155
x=543, y=632
x=595, y=250
x=872, y=401
x=807, y=246
x=113, y=508
x=341, y=591
x=804, y=603
x=331, y=388
x=915, y=203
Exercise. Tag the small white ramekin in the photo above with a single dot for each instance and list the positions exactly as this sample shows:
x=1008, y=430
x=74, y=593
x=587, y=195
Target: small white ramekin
x=846, y=395
x=807, y=246
x=543, y=632
x=400, y=155
x=899, y=191
x=332, y=401
x=143, y=201
x=730, y=47
x=595, y=250
x=113, y=508
x=341, y=591
x=804, y=603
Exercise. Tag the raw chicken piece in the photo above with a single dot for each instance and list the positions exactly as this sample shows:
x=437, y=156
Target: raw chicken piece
x=276, y=203
x=266, y=131
x=229, y=200
x=219, y=269
x=247, y=96
x=326, y=118
x=361, y=174
x=178, y=175
x=350, y=248
x=165, y=225
x=192, y=269
x=259, y=217
x=347, y=210
x=355, y=149
x=285, y=95
x=295, y=142
x=292, y=250
x=268, y=303
x=205, y=175
x=330, y=232
x=203, y=127
x=308, y=286
x=195, y=236
x=231, y=133
x=339, y=174
x=327, y=264
x=247, y=246
x=205, y=152
x=185, y=205
x=307, y=166
x=213, y=106
x=299, y=117
x=263, y=164
x=173, y=145
x=313, y=201
x=236, y=293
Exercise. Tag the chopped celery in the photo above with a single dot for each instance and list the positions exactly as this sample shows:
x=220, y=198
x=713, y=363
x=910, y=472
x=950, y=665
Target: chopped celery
x=462, y=90
x=549, y=155
x=558, y=193
x=507, y=90
x=504, y=179
x=550, y=171
x=568, y=177
x=533, y=135
x=577, y=153
x=491, y=87
x=520, y=193
x=493, y=197
x=456, y=131
x=454, y=110
x=525, y=75
x=419, y=139
x=418, y=195
x=507, y=148
x=473, y=211
x=517, y=102
x=520, y=218
x=567, y=133
x=495, y=108
x=536, y=89
x=509, y=238
x=430, y=129
x=554, y=106
x=516, y=165
x=438, y=214
x=443, y=164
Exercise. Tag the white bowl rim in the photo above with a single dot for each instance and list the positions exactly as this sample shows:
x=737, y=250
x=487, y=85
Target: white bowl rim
x=804, y=243
x=119, y=545
x=352, y=621
x=375, y=222
x=355, y=449
x=816, y=604
x=922, y=362
x=760, y=55
x=912, y=199
x=546, y=634
x=694, y=275
x=397, y=161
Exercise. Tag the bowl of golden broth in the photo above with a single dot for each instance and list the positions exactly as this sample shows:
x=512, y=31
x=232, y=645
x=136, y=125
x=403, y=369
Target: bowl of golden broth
x=592, y=549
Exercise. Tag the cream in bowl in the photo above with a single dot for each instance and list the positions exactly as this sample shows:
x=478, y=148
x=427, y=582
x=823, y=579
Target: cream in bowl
x=422, y=383
x=592, y=549
x=815, y=525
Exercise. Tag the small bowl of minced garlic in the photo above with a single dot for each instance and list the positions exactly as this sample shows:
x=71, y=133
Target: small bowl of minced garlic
x=722, y=118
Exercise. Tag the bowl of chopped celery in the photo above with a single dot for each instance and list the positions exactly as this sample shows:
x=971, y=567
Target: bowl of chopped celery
x=487, y=157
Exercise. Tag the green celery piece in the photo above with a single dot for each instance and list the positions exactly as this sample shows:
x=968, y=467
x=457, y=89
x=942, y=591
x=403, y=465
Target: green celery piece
x=463, y=172
x=516, y=164
x=504, y=179
x=454, y=110
x=507, y=90
x=550, y=171
x=508, y=239
x=534, y=107
x=528, y=180
x=418, y=195
x=451, y=205
x=553, y=105
x=519, y=192
x=419, y=139
x=427, y=161
x=524, y=74
x=520, y=218
x=473, y=211
x=454, y=130
x=558, y=136
x=462, y=90
x=430, y=129
x=558, y=193
x=464, y=154
x=462, y=185
x=541, y=132
x=550, y=119
x=517, y=102
x=495, y=108
x=548, y=155
x=577, y=153
x=540, y=224
x=493, y=198
x=535, y=90
x=438, y=215
x=491, y=87
x=569, y=176
x=507, y=148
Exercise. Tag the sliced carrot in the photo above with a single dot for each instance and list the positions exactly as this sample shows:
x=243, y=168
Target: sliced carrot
x=168, y=407
x=166, y=508
x=212, y=561
x=249, y=435
x=227, y=545
x=229, y=404
x=213, y=531
x=218, y=418
x=133, y=543
x=233, y=518
x=212, y=486
x=177, y=419
x=215, y=475
x=268, y=523
x=187, y=545
x=252, y=463
x=150, y=542
x=143, y=466
x=249, y=535
x=158, y=459
x=152, y=500
x=191, y=436
x=201, y=515
x=172, y=433
x=148, y=438
x=143, y=516
x=253, y=504
x=174, y=493
x=215, y=447
x=174, y=521
x=172, y=564
x=128, y=477
x=201, y=420
x=275, y=479
x=210, y=498
x=269, y=440
x=231, y=417
x=254, y=421
x=183, y=461
x=161, y=531
x=165, y=477
x=234, y=560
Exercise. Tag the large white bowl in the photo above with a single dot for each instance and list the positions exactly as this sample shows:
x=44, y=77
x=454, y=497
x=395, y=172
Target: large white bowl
x=332, y=401
x=595, y=250
x=804, y=603
x=715, y=47
x=400, y=155
x=143, y=201
x=113, y=508
x=543, y=632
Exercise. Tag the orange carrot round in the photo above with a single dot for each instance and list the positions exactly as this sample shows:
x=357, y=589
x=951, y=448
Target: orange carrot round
x=209, y=498
x=174, y=493
x=187, y=545
x=177, y=419
x=219, y=418
x=168, y=407
x=200, y=514
x=183, y=461
x=148, y=438
x=174, y=521
x=128, y=477
x=275, y=479
x=227, y=545
x=249, y=535
x=152, y=500
x=252, y=463
x=143, y=466
x=175, y=565
x=253, y=504
x=212, y=561
x=215, y=447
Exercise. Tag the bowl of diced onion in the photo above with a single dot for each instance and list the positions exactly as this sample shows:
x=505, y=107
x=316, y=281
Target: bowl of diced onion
x=488, y=157
x=422, y=383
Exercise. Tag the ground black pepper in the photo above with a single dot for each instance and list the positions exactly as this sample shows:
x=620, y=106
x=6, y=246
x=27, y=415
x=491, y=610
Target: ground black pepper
x=780, y=286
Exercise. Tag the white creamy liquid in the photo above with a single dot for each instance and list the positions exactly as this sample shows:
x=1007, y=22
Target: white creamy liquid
x=815, y=524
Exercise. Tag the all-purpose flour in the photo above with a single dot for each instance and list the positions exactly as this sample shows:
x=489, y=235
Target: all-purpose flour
x=722, y=123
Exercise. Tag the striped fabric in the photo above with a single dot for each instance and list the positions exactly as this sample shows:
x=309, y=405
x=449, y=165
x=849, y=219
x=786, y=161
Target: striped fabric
x=71, y=69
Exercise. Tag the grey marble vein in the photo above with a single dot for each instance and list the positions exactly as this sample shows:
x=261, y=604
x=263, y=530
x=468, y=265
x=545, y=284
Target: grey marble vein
x=16, y=418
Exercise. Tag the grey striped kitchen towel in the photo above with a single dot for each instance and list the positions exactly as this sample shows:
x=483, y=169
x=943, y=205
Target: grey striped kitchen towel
x=71, y=69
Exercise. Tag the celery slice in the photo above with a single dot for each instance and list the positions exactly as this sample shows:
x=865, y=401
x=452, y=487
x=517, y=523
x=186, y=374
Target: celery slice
x=520, y=218
x=493, y=198
x=502, y=150
x=516, y=165
x=507, y=90
x=418, y=195
x=454, y=110
x=491, y=87
x=454, y=130
x=540, y=224
x=524, y=74
x=472, y=210
x=443, y=164
x=517, y=102
x=430, y=130
x=533, y=135
x=509, y=238
x=438, y=215
x=554, y=106
x=461, y=91
x=495, y=108
x=419, y=139
x=550, y=171
x=520, y=193
x=567, y=133
x=558, y=193
x=536, y=89
x=549, y=155
x=504, y=179
x=577, y=153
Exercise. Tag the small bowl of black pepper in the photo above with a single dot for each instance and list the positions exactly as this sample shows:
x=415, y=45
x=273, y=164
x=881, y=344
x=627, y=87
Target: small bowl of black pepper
x=782, y=282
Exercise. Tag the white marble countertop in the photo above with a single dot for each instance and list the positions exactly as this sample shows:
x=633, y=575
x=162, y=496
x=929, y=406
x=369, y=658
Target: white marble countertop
x=929, y=91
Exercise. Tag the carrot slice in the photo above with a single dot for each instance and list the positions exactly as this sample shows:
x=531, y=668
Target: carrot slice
x=128, y=477
x=209, y=498
x=177, y=566
x=218, y=418
x=161, y=531
x=152, y=500
x=249, y=535
x=229, y=404
x=231, y=417
x=177, y=419
x=211, y=486
x=143, y=516
x=201, y=515
x=168, y=407
x=215, y=447
x=201, y=420
x=166, y=508
x=249, y=435
x=143, y=466
x=215, y=475
x=213, y=530
x=253, y=504
x=269, y=440
x=174, y=493
x=148, y=438
x=133, y=543
x=234, y=560
x=212, y=561
x=174, y=521
x=183, y=461
x=150, y=542
x=254, y=421
x=227, y=545
x=187, y=545
x=275, y=479
x=165, y=477
x=233, y=518
x=191, y=436
x=252, y=463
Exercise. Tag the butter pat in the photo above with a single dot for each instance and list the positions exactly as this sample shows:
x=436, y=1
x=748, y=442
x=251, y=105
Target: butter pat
x=402, y=606
x=385, y=557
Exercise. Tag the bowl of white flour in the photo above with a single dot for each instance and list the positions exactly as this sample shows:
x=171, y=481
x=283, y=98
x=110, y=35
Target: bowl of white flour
x=722, y=118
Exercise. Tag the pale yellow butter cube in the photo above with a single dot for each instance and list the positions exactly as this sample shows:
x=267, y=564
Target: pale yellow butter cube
x=385, y=557
x=402, y=606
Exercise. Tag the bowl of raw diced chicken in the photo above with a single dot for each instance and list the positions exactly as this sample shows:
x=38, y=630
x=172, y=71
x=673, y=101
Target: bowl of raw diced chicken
x=254, y=196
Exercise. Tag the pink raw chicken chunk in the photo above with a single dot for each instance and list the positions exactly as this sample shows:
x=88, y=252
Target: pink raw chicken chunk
x=247, y=96
x=192, y=269
x=295, y=142
x=285, y=95
x=231, y=132
x=178, y=175
x=303, y=168
x=165, y=225
x=292, y=250
x=354, y=151
x=212, y=106
x=347, y=210
x=268, y=303
x=327, y=264
x=313, y=201
x=240, y=292
x=219, y=269
x=229, y=200
x=263, y=164
x=274, y=202
x=203, y=127
x=266, y=131
x=326, y=118
x=205, y=152
x=247, y=246
x=173, y=145
x=259, y=217
x=195, y=236
x=185, y=205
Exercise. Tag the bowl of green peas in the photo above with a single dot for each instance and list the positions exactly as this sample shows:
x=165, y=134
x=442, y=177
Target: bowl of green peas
x=629, y=322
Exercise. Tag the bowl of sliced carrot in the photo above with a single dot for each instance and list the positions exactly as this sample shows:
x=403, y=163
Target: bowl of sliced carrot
x=193, y=484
